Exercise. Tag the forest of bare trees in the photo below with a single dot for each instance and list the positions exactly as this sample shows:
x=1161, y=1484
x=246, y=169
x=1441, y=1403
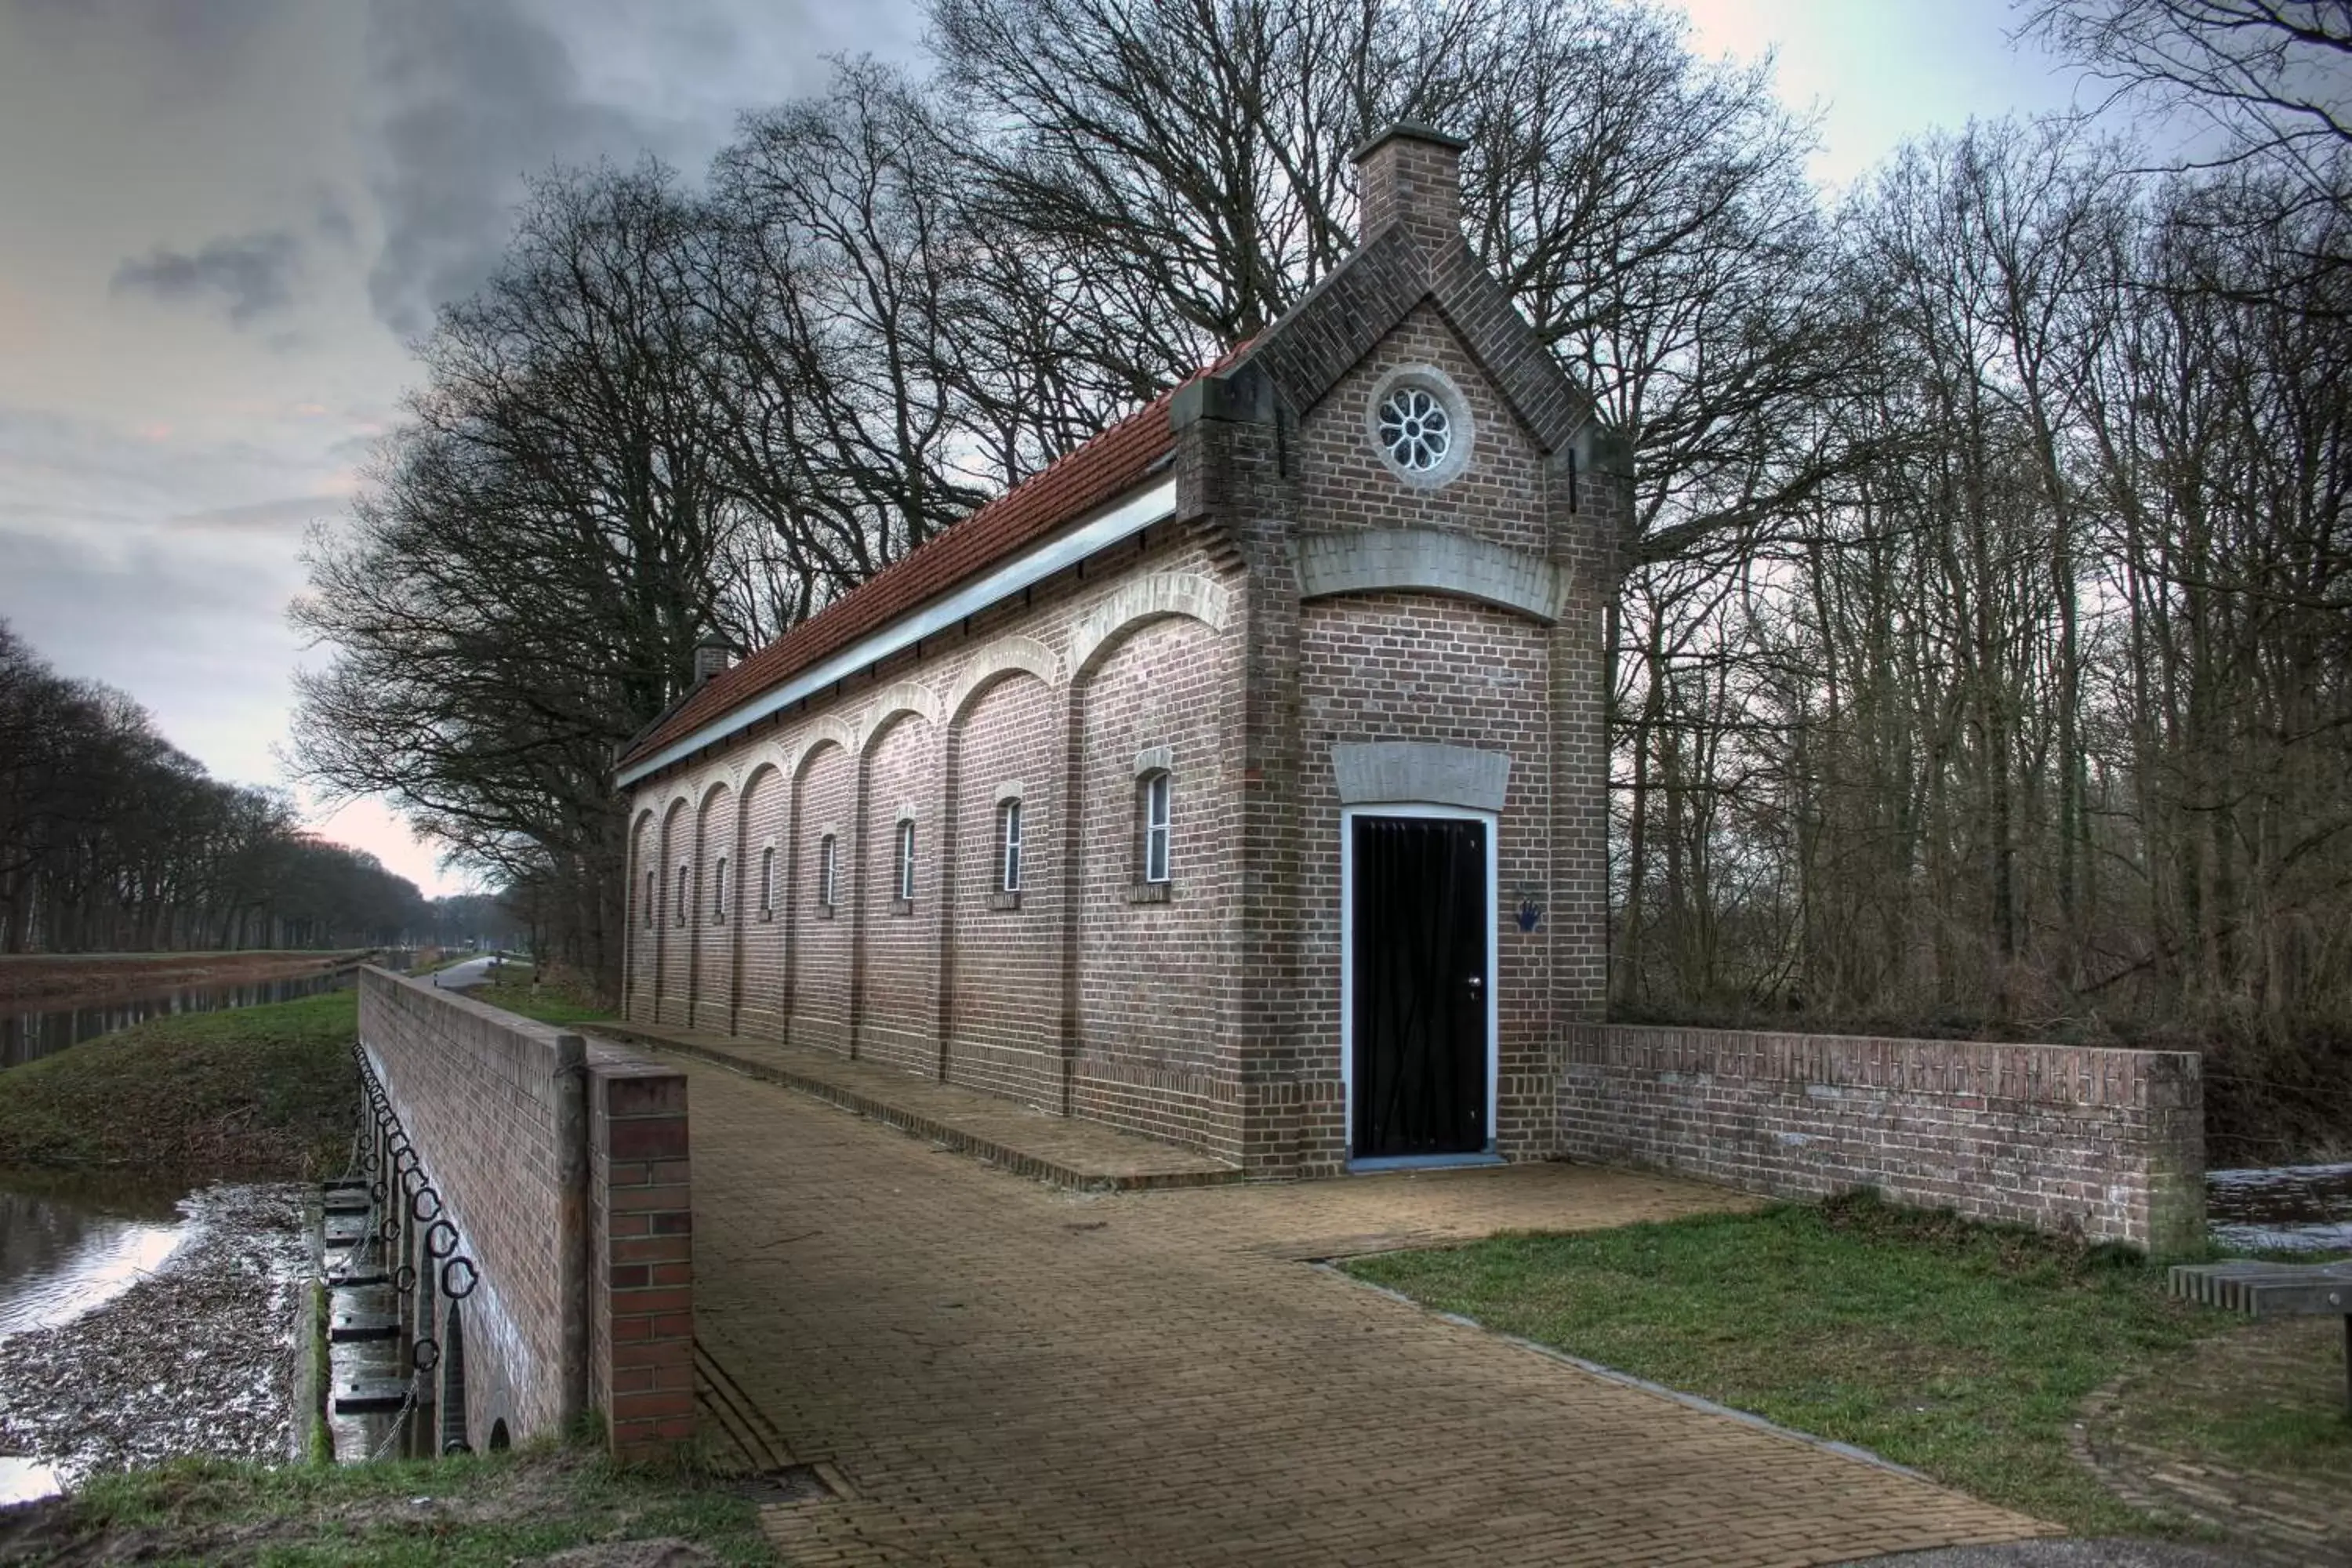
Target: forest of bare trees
x=112, y=840
x=1982, y=644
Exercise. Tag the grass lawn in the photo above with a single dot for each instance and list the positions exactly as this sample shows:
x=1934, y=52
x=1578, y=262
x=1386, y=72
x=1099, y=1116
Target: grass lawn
x=1960, y=1349
x=493, y=1510
x=554, y=999
x=263, y=1093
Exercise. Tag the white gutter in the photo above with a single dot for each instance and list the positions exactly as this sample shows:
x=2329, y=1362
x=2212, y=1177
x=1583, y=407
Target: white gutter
x=1135, y=511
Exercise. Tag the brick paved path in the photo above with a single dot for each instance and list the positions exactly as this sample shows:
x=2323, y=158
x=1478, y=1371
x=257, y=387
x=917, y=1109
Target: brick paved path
x=1007, y=1374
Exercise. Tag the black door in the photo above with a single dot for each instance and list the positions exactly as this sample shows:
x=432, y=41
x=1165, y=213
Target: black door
x=1419, y=981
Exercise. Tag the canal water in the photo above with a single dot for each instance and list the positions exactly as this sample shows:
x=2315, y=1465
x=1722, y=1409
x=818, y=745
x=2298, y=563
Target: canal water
x=25, y=1036
x=2294, y=1208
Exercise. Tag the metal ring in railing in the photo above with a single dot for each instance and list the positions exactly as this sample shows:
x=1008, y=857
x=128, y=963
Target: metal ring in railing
x=418, y=1207
x=378, y=1192
x=437, y=1249
x=413, y=1182
x=457, y=1286
x=425, y=1354
x=403, y=1278
x=387, y=1229
x=406, y=1160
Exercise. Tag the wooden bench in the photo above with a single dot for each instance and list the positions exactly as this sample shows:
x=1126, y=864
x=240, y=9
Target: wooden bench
x=2275, y=1291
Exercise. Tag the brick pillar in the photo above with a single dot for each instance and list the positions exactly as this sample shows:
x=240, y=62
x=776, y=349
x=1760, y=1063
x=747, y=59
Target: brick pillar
x=1231, y=485
x=1598, y=475
x=642, y=1279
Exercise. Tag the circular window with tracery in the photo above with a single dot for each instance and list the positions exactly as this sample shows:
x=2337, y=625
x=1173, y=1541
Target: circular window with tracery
x=1420, y=423
x=1414, y=428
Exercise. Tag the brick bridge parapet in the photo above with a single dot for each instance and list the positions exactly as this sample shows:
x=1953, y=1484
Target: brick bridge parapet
x=2108, y=1143
x=562, y=1164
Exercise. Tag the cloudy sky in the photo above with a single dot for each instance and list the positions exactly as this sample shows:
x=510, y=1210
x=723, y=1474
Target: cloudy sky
x=222, y=221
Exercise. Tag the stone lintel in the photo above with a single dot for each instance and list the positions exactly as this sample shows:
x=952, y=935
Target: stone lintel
x=1432, y=561
x=1372, y=771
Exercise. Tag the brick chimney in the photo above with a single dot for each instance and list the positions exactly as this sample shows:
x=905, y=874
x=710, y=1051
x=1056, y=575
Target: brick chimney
x=712, y=657
x=1412, y=174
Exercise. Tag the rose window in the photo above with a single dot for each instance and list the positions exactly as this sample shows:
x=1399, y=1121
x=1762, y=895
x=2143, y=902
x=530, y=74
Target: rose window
x=1415, y=429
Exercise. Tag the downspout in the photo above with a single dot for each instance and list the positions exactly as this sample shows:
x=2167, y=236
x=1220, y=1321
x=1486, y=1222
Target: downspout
x=572, y=1228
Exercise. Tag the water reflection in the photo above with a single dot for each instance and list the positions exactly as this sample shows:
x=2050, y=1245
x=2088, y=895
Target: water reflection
x=27, y=1036
x=2294, y=1208
x=25, y=1481
x=61, y=1256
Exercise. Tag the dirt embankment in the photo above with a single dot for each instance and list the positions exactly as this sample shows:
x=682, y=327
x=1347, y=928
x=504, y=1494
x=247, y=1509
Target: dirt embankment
x=31, y=980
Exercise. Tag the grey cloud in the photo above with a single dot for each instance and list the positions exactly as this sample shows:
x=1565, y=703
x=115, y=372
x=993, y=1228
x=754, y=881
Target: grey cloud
x=333, y=220
x=252, y=274
x=184, y=48
x=474, y=96
x=288, y=514
x=197, y=635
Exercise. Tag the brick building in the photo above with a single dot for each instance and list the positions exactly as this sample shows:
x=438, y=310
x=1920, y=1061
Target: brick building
x=1239, y=779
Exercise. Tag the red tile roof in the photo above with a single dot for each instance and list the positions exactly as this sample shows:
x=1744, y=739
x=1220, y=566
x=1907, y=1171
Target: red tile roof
x=1112, y=462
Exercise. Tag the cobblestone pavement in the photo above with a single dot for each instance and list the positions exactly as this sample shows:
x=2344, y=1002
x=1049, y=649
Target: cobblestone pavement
x=992, y=1370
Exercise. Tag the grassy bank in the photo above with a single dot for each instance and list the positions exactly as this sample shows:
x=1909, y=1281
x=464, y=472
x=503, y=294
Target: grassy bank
x=43, y=980
x=553, y=997
x=493, y=1510
x=261, y=1094
x=1963, y=1351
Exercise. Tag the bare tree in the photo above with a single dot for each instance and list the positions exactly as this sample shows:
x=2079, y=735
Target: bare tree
x=2272, y=79
x=540, y=547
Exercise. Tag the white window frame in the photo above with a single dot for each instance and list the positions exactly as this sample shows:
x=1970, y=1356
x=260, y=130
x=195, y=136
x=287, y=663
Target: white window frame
x=1008, y=845
x=828, y=872
x=1348, y=815
x=905, y=860
x=1159, y=813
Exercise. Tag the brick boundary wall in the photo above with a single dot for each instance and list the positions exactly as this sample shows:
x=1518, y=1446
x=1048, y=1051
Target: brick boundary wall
x=575, y=1206
x=2107, y=1142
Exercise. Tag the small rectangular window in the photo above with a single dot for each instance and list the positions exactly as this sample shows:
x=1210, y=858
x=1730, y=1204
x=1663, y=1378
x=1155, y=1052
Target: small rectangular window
x=718, y=892
x=685, y=889
x=653, y=895
x=1008, y=838
x=828, y=868
x=906, y=861
x=767, y=882
x=1157, y=794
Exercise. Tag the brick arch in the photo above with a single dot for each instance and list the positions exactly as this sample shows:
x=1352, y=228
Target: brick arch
x=780, y=763
x=710, y=971
x=769, y=754
x=1002, y=658
x=763, y=816
x=1138, y=603
x=894, y=964
x=816, y=952
x=895, y=703
x=644, y=922
x=672, y=955
x=827, y=731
